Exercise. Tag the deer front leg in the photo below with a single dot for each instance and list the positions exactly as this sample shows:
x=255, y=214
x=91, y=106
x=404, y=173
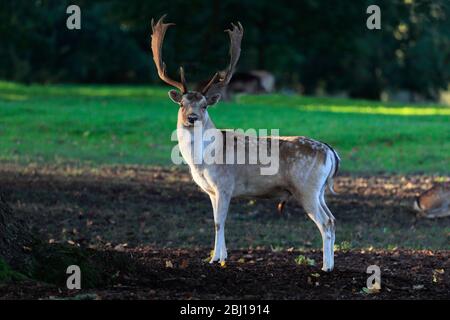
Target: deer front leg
x=220, y=201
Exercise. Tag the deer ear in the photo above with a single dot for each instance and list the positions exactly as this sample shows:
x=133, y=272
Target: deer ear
x=212, y=100
x=175, y=96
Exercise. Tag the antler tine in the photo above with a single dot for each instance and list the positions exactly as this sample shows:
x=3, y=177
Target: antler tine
x=183, y=80
x=213, y=79
x=236, y=32
x=158, y=32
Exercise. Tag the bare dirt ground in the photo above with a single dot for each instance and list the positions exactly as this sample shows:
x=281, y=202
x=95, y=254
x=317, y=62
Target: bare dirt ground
x=153, y=230
x=260, y=274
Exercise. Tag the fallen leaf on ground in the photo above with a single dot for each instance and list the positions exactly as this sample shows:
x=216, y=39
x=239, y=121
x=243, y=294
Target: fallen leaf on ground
x=371, y=290
x=169, y=264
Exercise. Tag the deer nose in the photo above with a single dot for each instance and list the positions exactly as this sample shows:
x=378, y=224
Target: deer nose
x=192, y=118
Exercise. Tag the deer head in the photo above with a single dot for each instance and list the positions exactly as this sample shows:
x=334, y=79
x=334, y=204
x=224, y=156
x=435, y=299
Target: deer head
x=193, y=104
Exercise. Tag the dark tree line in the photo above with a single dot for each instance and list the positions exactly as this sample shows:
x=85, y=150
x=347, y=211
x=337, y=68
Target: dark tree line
x=309, y=45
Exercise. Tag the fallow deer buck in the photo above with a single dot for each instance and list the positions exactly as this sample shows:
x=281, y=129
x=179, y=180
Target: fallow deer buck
x=306, y=167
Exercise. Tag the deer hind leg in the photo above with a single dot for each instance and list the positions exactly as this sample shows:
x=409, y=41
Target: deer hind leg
x=330, y=215
x=313, y=207
x=220, y=203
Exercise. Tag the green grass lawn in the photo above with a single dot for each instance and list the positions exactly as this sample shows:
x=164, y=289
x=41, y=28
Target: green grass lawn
x=96, y=125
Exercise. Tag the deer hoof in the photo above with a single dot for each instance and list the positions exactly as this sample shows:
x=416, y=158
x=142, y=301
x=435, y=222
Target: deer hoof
x=213, y=259
x=327, y=269
x=214, y=256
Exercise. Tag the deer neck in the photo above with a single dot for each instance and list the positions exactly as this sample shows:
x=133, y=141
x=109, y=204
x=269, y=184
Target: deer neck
x=191, y=140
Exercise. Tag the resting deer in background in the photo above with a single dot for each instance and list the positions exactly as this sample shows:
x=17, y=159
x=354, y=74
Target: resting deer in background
x=434, y=203
x=306, y=167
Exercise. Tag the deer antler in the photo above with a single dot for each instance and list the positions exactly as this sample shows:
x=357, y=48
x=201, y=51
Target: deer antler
x=159, y=30
x=224, y=76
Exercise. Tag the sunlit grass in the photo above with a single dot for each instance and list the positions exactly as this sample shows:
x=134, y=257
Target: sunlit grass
x=405, y=111
x=13, y=97
x=346, y=105
x=8, y=88
x=103, y=124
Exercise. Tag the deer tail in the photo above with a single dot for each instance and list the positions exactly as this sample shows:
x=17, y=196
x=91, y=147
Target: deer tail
x=335, y=164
